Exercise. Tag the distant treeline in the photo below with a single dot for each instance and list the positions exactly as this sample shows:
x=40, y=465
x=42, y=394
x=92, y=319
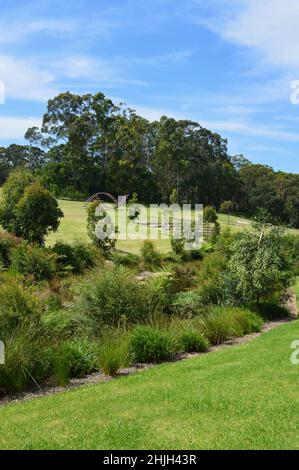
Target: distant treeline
x=88, y=144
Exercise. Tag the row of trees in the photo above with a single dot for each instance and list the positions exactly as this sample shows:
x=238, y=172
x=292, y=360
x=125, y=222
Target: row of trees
x=88, y=144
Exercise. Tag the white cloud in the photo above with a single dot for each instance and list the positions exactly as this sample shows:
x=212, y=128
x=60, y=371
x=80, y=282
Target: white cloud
x=15, y=128
x=12, y=32
x=268, y=26
x=25, y=79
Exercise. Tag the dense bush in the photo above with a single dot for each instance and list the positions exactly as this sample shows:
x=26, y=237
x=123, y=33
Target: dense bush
x=24, y=363
x=37, y=213
x=272, y=311
x=150, y=256
x=212, y=288
x=150, y=344
x=159, y=290
x=260, y=267
x=72, y=358
x=246, y=321
x=7, y=243
x=186, y=303
x=216, y=326
x=17, y=307
x=35, y=261
x=125, y=259
x=76, y=257
x=222, y=323
x=112, y=297
x=192, y=341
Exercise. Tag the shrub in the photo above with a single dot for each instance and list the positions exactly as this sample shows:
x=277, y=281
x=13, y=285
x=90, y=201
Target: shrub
x=216, y=326
x=192, y=341
x=57, y=324
x=111, y=297
x=260, y=268
x=37, y=213
x=114, y=354
x=17, y=307
x=159, y=292
x=272, y=311
x=222, y=323
x=34, y=261
x=178, y=246
x=149, y=344
x=7, y=243
x=75, y=258
x=12, y=191
x=96, y=215
x=125, y=259
x=72, y=358
x=246, y=321
x=24, y=362
x=212, y=289
x=186, y=303
x=150, y=256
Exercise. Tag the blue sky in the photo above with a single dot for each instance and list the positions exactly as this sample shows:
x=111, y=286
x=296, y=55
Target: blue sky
x=228, y=64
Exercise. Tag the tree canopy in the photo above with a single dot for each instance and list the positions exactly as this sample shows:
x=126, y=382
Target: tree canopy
x=88, y=144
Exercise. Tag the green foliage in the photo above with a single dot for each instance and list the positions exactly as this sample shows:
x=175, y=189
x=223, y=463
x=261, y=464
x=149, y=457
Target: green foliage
x=27, y=209
x=174, y=197
x=187, y=303
x=37, y=213
x=96, y=217
x=178, y=246
x=114, y=354
x=150, y=344
x=35, y=261
x=125, y=259
x=12, y=191
x=113, y=297
x=192, y=341
x=159, y=290
x=75, y=258
x=24, y=362
x=150, y=256
x=272, y=311
x=210, y=215
x=211, y=282
x=221, y=323
x=216, y=326
x=17, y=307
x=7, y=243
x=259, y=268
x=72, y=358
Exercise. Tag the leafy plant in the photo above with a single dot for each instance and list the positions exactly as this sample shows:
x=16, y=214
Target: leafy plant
x=112, y=297
x=150, y=344
x=192, y=341
x=76, y=257
x=17, y=307
x=35, y=261
x=150, y=256
x=114, y=354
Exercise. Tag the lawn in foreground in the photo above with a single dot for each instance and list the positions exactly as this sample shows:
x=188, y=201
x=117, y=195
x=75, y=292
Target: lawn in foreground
x=245, y=397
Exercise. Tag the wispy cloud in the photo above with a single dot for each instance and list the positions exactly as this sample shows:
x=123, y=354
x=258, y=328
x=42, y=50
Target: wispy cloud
x=270, y=27
x=14, y=128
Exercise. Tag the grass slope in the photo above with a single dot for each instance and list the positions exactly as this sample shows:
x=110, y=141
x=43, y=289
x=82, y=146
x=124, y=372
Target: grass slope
x=73, y=226
x=246, y=397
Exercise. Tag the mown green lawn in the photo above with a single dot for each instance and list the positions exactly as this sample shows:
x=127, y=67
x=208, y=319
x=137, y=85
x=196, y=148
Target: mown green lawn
x=245, y=397
x=73, y=226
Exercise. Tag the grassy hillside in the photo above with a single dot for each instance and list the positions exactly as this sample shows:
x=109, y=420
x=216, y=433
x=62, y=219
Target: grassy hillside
x=243, y=397
x=74, y=226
